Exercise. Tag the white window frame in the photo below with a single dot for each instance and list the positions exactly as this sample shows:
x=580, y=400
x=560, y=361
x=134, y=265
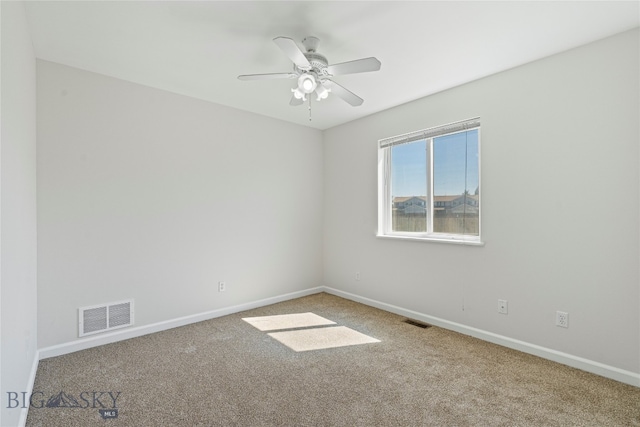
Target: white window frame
x=385, y=202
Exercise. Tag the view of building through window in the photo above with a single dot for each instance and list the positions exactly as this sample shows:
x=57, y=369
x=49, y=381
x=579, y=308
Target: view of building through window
x=436, y=178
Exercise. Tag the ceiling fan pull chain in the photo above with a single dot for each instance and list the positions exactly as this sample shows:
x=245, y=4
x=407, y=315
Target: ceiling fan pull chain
x=309, y=108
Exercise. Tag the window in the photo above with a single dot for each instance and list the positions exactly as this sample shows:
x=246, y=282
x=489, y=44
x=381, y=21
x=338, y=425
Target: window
x=429, y=184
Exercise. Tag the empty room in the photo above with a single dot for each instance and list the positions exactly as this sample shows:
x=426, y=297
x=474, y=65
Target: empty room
x=320, y=213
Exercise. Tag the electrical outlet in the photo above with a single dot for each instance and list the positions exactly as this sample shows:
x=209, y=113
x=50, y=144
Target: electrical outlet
x=357, y=275
x=503, y=306
x=222, y=286
x=562, y=319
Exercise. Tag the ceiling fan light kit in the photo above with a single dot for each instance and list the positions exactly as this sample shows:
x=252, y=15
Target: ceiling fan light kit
x=313, y=72
x=322, y=92
x=307, y=83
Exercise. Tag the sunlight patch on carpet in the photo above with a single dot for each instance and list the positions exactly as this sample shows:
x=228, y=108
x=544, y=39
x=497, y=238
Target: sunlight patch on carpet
x=287, y=321
x=319, y=338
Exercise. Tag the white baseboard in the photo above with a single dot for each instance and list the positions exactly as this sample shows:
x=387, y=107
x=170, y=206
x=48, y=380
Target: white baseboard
x=22, y=421
x=597, y=368
x=123, y=334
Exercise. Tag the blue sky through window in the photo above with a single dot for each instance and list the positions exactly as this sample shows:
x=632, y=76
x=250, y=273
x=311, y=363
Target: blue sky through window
x=455, y=165
x=409, y=169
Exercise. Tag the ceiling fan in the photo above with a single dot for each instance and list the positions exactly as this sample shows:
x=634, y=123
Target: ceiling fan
x=313, y=72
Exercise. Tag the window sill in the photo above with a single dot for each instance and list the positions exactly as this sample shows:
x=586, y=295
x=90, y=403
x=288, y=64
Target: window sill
x=431, y=240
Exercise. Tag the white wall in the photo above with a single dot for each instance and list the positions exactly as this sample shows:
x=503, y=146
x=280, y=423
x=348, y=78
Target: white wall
x=17, y=208
x=154, y=196
x=560, y=207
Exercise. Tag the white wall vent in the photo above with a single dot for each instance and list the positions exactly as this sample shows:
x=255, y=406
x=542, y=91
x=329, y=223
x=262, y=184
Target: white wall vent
x=101, y=318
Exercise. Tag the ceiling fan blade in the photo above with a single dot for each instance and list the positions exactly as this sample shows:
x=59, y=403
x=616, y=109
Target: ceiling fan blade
x=295, y=101
x=291, y=49
x=343, y=93
x=267, y=76
x=358, y=66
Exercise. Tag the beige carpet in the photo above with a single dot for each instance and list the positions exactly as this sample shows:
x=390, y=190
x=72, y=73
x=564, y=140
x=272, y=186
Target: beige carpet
x=227, y=372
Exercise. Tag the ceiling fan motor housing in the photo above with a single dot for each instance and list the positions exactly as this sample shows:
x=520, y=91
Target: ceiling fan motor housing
x=318, y=63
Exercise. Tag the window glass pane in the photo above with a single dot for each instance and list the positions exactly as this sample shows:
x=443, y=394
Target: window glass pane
x=456, y=183
x=409, y=187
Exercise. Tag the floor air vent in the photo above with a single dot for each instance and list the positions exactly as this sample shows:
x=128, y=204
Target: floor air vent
x=418, y=324
x=101, y=318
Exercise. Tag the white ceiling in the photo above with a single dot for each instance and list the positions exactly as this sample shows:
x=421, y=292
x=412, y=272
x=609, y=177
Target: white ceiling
x=199, y=48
